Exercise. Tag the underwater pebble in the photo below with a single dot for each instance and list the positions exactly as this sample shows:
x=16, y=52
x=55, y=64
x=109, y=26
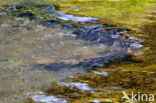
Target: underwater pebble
x=96, y=101
x=115, y=36
x=101, y=73
x=108, y=100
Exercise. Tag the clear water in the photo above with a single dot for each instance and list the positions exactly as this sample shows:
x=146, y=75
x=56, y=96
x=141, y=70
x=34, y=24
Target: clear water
x=24, y=42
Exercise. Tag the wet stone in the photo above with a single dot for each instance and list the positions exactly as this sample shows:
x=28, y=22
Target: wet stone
x=96, y=36
x=101, y=73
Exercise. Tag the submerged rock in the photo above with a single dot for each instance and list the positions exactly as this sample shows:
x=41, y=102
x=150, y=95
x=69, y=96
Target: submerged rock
x=101, y=73
x=26, y=14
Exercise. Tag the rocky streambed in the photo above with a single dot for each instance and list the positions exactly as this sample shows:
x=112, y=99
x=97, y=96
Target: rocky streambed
x=74, y=46
x=55, y=41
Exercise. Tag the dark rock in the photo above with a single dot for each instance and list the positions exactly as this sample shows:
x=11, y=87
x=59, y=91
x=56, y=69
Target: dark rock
x=17, y=7
x=26, y=14
x=69, y=26
x=51, y=23
x=80, y=31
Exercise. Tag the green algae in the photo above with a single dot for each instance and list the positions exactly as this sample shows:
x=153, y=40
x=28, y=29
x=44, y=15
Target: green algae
x=124, y=12
x=68, y=92
x=110, y=87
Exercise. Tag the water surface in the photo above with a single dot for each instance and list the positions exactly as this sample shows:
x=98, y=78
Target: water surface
x=24, y=42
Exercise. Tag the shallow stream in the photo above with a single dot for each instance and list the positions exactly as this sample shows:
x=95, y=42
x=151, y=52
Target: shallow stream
x=33, y=55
